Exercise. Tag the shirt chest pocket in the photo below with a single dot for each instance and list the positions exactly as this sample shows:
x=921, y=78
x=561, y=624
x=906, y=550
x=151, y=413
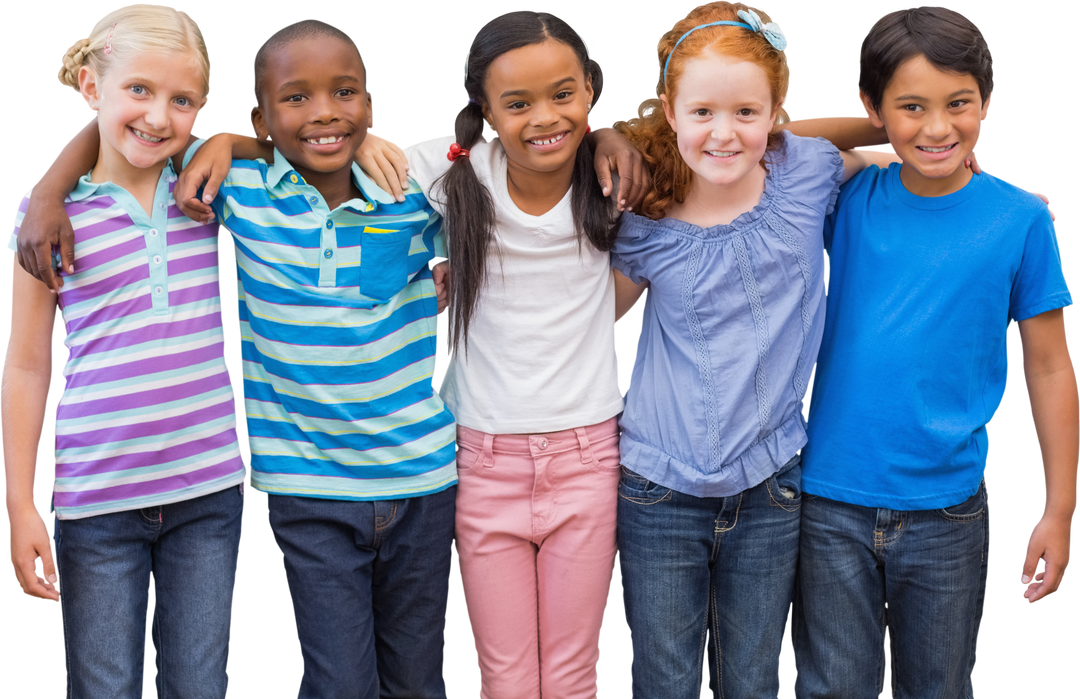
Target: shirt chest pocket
x=384, y=262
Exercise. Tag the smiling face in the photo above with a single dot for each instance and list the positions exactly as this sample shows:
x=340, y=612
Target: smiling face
x=146, y=108
x=537, y=100
x=314, y=105
x=722, y=114
x=932, y=119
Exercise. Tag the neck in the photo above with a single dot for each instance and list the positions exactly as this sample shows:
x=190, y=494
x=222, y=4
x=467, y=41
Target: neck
x=536, y=193
x=140, y=182
x=919, y=185
x=335, y=187
x=709, y=204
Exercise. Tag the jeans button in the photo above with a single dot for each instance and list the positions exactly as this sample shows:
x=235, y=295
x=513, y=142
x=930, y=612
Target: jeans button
x=543, y=443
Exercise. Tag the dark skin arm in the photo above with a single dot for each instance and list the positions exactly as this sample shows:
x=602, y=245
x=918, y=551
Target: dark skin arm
x=845, y=133
x=46, y=224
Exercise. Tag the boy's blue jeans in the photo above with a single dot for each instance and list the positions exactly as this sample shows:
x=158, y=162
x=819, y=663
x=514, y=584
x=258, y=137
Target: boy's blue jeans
x=715, y=571
x=369, y=581
x=919, y=573
x=105, y=564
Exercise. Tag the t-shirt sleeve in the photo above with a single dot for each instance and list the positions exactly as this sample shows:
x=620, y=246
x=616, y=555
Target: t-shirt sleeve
x=1039, y=284
x=13, y=243
x=813, y=172
x=427, y=163
x=633, y=247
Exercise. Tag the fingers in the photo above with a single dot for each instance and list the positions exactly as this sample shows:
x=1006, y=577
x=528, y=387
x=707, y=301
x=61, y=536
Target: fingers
x=28, y=578
x=67, y=248
x=603, y=176
x=440, y=274
x=394, y=174
x=1045, y=583
x=42, y=265
x=397, y=158
x=1046, y=200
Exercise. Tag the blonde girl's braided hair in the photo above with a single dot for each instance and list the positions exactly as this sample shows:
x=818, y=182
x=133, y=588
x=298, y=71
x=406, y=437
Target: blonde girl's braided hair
x=133, y=30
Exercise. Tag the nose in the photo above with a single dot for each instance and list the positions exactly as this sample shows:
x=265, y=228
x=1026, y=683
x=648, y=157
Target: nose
x=723, y=128
x=157, y=113
x=937, y=125
x=323, y=110
x=543, y=113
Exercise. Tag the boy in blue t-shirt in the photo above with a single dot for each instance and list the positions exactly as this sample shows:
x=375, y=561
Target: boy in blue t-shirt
x=929, y=264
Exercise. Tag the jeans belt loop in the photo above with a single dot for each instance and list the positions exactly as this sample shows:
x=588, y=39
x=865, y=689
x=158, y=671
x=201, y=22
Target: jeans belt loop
x=488, y=456
x=583, y=442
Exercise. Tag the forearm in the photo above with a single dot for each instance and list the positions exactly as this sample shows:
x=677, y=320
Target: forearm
x=248, y=148
x=1054, y=409
x=78, y=158
x=23, y=408
x=843, y=132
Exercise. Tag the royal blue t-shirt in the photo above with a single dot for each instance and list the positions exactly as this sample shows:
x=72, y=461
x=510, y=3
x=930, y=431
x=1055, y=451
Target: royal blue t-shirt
x=912, y=363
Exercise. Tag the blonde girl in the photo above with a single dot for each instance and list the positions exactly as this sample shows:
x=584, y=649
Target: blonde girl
x=148, y=471
x=730, y=241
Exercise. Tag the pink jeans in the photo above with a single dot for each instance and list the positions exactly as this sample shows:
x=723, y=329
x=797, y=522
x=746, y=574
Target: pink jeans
x=536, y=542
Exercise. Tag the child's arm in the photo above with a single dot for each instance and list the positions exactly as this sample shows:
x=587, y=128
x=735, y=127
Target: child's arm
x=845, y=133
x=25, y=388
x=612, y=151
x=1052, y=388
x=209, y=167
x=626, y=293
x=46, y=223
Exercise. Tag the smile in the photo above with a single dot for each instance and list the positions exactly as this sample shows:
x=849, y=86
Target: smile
x=929, y=149
x=325, y=140
x=547, y=141
x=722, y=153
x=146, y=137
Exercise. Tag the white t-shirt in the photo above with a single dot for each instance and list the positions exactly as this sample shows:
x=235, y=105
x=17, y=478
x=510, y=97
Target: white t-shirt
x=541, y=341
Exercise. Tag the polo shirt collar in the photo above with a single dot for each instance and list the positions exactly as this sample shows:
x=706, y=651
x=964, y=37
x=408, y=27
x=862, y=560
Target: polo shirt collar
x=371, y=191
x=86, y=189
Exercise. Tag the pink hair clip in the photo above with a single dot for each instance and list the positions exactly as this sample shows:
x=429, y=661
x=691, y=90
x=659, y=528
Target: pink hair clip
x=108, y=41
x=456, y=152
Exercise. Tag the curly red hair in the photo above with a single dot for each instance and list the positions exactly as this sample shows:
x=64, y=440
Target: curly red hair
x=650, y=132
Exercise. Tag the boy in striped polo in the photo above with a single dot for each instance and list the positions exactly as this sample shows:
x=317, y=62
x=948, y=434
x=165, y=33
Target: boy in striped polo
x=337, y=315
x=348, y=436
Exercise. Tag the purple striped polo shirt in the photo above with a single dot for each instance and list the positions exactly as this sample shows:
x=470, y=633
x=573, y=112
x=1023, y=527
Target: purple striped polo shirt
x=147, y=415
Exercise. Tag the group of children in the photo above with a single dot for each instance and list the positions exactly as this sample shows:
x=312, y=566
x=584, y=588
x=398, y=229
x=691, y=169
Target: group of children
x=724, y=505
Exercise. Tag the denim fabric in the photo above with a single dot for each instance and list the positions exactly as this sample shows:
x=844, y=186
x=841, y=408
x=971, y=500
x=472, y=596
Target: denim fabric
x=919, y=573
x=105, y=564
x=708, y=570
x=369, y=581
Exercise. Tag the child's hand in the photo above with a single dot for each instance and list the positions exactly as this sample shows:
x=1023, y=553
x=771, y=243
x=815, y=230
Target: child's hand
x=45, y=226
x=1050, y=202
x=1050, y=542
x=386, y=165
x=440, y=273
x=973, y=164
x=30, y=541
x=614, y=152
x=207, y=169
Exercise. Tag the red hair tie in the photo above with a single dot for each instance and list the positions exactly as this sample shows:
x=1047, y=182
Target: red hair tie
x=456, y=152
x=588, y=130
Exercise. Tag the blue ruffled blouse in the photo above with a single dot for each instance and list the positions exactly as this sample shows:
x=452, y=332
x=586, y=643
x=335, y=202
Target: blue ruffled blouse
x=732, y=326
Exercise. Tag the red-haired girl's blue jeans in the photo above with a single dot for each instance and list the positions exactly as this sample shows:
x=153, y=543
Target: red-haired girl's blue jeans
x=708, y=572
x=919, y=573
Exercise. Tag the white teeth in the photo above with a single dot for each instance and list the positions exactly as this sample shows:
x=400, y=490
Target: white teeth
x=721, y=153
x=147, y=137
x=325, y=140
x=547, y=141
x=928, y=149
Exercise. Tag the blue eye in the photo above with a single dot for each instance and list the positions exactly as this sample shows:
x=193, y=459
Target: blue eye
x=138, y=89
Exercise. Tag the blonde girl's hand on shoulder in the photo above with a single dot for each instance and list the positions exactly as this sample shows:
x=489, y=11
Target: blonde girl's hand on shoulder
x=385, y=164
x=27, y=371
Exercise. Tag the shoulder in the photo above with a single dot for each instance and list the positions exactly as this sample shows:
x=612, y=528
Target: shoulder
x=806, y=171
x=1008, y=199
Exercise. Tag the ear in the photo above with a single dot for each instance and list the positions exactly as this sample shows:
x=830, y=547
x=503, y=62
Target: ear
x=88, y=86
x=776, y=110
x=257, y=120
x=368, y=109
x=669, y=113
x=985, y=106
x=875, y=118
x=487, y=114
x=588, y=91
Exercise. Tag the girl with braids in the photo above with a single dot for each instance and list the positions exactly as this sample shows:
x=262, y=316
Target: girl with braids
x=148, y=472
x=730, y=241
x=532, y=382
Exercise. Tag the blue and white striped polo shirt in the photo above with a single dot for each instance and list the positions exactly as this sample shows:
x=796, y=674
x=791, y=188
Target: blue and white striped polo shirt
x=337, y=322
x=147, y=414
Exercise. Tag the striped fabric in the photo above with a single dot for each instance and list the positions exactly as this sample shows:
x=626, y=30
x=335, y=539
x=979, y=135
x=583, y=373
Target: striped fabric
x=147, y=414
x=337, y=321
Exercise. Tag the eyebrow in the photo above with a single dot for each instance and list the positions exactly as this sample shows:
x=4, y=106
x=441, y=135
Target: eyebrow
x=301, y=81
x=958, y=93
x=557, y=83
x=149, y=82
